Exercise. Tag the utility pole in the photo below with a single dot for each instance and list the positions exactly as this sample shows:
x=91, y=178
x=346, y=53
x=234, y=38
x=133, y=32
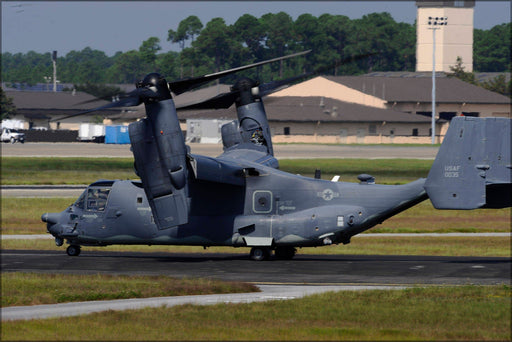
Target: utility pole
x=435, y=23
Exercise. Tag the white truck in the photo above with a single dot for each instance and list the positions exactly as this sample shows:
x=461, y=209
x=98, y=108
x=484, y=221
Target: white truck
x=91, y=132
x=12, y=135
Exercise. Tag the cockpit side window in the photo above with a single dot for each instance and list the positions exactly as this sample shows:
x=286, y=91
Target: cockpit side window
x=80, y=202
x=97, y=198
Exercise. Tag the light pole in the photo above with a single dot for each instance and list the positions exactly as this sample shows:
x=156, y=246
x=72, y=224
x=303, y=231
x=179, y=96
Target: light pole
x=54, y=62
x=435, y=23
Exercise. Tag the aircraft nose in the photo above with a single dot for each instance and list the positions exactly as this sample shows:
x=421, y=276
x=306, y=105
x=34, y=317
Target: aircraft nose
x=51, y=218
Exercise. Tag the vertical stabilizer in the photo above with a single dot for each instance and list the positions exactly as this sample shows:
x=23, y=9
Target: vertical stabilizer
x=473, y=166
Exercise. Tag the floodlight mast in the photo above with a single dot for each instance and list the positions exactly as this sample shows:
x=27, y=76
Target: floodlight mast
x=435, y=23
x=48, y=80
x=54, y=60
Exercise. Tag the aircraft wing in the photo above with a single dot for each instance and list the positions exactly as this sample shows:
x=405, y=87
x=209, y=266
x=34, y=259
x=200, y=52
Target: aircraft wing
x=247, y=152
x=232, y=167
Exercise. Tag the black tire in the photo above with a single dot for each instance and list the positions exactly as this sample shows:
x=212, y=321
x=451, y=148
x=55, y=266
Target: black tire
x=73, y=250
x=259, y=253
x=285, y=253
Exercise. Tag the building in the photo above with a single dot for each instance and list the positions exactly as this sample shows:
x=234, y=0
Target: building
x=321, y=119
x=408, y=93
x=42, y=109
x=450, y=23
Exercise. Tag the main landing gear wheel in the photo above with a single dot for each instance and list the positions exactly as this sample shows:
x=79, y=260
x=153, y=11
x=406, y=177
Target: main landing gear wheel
x=285, y=253
x=73, y=250
x=260, y=253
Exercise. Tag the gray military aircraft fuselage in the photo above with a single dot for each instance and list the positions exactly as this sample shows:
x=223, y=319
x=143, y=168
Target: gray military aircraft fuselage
x=260, y=207
x=241, y=198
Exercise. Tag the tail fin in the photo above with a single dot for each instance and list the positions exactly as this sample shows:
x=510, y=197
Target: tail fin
x=473, y=166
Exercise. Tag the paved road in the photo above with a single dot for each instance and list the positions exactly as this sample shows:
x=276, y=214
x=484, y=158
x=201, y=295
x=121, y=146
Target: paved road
x=303, y=269
x=281, y=151
x=268, y=292
x=41, y=191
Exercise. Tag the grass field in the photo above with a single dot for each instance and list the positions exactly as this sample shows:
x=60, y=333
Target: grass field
x=35, y=289
x=53, y=171
x=435, y=313
x=385, y=171
x=87, y=170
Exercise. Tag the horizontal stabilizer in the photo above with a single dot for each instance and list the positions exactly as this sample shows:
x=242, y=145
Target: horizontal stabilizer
x=473, y=166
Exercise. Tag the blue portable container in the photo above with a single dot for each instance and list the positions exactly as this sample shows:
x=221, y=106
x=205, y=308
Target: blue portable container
x=117, y=135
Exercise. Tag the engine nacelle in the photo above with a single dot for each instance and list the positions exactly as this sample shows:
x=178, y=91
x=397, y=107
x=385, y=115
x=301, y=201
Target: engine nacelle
x=160, y=157
x=230, y=134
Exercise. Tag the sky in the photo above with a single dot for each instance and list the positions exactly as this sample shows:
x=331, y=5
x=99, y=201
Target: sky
x=111, y=26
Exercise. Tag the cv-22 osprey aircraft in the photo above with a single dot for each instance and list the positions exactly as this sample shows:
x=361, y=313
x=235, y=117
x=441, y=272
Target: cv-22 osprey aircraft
x=242, y=199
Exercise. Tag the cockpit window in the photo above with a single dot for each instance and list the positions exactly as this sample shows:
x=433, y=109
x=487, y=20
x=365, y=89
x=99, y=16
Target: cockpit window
x=97, y=198
x=80, y=202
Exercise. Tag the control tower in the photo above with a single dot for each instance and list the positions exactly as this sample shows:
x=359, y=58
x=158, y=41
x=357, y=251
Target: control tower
x=452, y=24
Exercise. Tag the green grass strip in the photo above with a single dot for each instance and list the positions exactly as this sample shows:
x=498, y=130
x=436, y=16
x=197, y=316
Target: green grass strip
x=435, y=313
x=87, y=170
x=33, y=289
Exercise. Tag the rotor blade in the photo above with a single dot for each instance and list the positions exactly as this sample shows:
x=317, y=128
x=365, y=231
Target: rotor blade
x=345, y=61
x=129, y=100
x=181, y=86
x=271, y=87
x=103, y=98
x=91, y=101
x=224, y=100
x=110, y=105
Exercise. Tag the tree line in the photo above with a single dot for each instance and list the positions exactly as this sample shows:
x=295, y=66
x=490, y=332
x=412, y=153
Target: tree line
x=216, y=46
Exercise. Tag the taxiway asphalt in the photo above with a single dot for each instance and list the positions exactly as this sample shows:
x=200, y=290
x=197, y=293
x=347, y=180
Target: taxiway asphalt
x=303, y=269
x=281, y=151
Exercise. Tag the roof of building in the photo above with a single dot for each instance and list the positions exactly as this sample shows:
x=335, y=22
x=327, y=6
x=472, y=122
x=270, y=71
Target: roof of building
x=34, y=104
x=419, y=89
x=53, y=100
x=314, y=108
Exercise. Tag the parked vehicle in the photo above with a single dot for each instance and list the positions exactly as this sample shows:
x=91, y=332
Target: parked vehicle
x=12, y=135
x=91, y=132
